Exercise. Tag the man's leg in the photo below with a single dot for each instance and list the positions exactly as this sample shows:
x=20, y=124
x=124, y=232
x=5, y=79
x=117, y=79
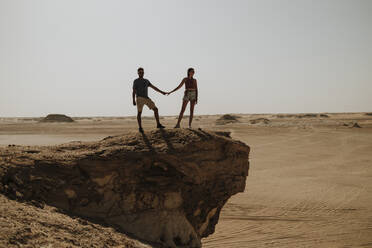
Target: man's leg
x=192, y=105
x=156, y=114
x=153, y=107
x=140, y=103
x=139, y=121
x=184, y=105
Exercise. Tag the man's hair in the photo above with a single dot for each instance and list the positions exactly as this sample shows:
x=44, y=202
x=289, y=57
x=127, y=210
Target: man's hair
x=140, y=69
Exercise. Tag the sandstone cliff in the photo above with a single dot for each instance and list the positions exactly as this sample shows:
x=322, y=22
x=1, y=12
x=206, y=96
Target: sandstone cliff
x=166, y=187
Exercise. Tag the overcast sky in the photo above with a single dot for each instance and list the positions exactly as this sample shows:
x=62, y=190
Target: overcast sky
x=80, y=57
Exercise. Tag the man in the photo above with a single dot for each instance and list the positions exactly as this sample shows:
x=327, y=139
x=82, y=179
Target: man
x=140, y=86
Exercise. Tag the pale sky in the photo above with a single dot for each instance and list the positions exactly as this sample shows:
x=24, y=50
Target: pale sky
x=80, y=57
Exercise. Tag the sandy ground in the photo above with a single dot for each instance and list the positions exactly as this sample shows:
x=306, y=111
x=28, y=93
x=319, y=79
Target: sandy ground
x=310, y=182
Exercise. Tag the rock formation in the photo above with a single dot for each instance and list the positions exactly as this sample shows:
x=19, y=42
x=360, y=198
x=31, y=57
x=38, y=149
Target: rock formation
x=166, y=187
x=285, y=115
x=356, y=125
x=352, y=125
x=306, y=116
x=57, y=118
x=260, y=120
x=225, y=119
x=25, y=225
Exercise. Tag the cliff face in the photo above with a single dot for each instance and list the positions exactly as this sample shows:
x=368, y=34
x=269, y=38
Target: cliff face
x=165, y=187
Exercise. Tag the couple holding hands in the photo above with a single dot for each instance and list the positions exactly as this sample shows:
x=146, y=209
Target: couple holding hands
x=140, y=86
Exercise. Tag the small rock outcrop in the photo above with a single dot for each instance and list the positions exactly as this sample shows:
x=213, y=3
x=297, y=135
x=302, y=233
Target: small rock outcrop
x=166, y=187
x=57, y=118
x=226, y=119
x=352, y=125
x=285, y=115
x=306, y=116
x=356, y=125
x=260, y=120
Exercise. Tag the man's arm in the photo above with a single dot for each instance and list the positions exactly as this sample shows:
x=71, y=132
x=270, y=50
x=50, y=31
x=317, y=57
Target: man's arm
x=156, y=89
x=179, y=86
x=134, y=97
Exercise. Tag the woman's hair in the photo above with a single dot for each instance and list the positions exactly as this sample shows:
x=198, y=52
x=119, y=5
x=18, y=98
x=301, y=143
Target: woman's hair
x=189, y=70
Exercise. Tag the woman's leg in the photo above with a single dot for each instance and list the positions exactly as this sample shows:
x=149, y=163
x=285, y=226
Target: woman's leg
x=192, y=105
x=184, y=104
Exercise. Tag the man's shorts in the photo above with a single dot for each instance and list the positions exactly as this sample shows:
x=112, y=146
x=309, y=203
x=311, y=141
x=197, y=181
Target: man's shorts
x=190, y=95
x=144, y=101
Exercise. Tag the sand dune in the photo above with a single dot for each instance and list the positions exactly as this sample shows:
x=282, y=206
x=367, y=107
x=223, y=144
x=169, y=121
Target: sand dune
x=314, y=190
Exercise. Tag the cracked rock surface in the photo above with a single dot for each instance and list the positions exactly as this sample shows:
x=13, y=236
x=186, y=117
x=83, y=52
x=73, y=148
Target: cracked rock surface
x=166, y=187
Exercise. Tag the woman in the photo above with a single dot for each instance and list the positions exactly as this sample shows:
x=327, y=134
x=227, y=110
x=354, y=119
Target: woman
x=191, y=95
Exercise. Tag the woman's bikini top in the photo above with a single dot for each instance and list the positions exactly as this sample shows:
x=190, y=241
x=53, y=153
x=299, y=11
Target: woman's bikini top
x=190, y=84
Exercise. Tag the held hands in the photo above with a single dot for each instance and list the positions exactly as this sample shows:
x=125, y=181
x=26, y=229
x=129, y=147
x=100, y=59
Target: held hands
x=165, y=93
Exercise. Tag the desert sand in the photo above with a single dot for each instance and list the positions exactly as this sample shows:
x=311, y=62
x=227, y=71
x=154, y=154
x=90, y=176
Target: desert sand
x=309, y=182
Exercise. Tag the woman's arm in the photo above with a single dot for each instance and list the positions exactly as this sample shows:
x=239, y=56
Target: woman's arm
x=179, y=86
x=196, y=84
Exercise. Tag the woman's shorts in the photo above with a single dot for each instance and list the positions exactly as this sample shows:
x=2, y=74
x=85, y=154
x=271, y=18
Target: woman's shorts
x=190, y=95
